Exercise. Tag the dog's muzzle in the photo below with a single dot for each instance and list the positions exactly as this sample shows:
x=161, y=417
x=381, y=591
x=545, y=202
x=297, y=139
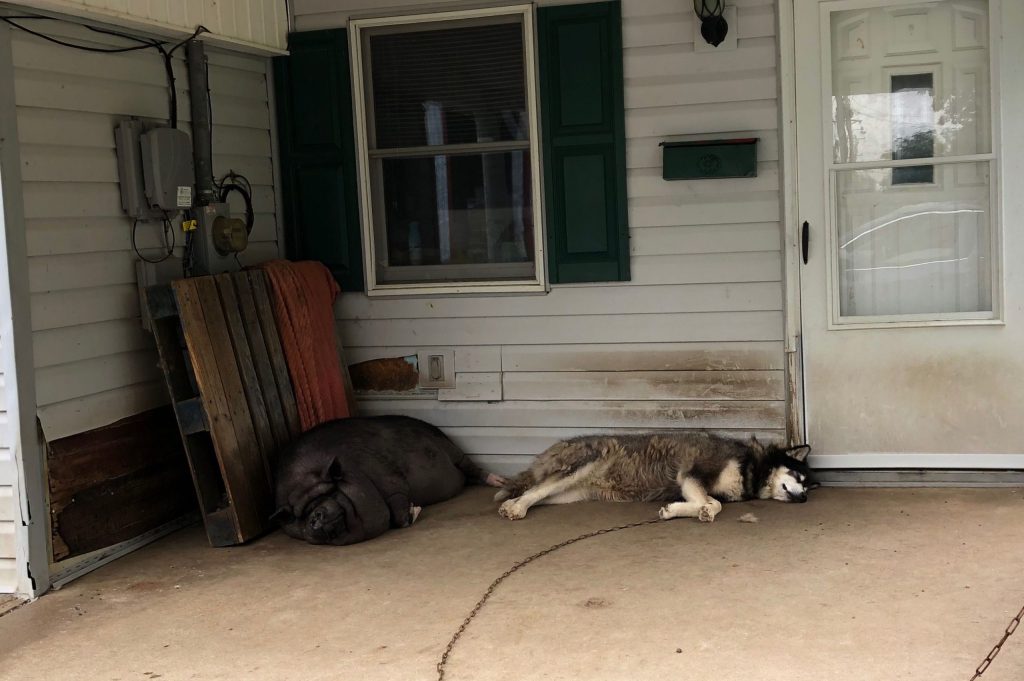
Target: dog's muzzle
x=797, y=498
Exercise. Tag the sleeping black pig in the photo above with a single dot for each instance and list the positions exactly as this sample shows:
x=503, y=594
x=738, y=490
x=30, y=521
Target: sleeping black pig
x=349, y=480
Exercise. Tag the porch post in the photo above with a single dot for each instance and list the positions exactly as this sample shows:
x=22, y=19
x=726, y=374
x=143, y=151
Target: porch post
x=16, y=360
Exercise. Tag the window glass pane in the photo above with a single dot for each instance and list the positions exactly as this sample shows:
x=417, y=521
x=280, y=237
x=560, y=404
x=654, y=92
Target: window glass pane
x=910, y=80
x=914, y=249
x=913, y=132
x=458, y=211
x=438, y=84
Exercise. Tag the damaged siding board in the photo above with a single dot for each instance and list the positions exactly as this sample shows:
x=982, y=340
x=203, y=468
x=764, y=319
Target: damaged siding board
x=695, y=340
x=644, y=385
x=94, y=363
x=763, y=356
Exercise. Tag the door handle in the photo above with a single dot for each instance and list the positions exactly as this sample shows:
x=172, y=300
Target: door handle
x=805, y=239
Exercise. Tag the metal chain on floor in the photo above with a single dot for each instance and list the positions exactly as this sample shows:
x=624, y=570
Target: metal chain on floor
x=526, y=561
x=443, y=663
x=1014, y=623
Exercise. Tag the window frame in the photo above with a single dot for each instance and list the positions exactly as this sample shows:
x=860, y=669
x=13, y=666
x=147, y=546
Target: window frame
x=367, y=200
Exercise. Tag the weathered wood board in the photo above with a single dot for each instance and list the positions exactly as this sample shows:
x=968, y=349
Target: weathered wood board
x=225, y=370
x=114, y=483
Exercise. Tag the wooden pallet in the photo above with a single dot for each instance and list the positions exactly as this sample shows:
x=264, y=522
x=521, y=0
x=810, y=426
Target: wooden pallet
x=228, y=381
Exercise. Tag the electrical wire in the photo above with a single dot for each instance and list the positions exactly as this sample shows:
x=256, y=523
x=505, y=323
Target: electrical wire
x=172, y=117
x=168, y=227
x=143, y=44
x=233, y=182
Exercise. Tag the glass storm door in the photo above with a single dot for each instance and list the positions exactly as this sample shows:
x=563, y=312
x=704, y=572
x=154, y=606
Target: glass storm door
x=911, y=324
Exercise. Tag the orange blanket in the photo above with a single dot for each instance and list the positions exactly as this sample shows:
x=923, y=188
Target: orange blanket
x=303, y=295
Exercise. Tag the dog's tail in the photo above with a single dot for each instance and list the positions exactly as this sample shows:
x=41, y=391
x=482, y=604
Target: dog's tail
x=515, y=486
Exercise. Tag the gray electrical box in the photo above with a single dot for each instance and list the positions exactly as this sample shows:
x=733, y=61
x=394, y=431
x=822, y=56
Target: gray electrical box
x=167, y=168
x=154, y=164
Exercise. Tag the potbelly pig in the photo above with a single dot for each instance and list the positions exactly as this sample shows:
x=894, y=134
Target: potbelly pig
x=349, y=480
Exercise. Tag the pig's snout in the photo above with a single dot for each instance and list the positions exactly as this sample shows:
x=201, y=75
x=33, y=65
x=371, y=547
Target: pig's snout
x=317, y=519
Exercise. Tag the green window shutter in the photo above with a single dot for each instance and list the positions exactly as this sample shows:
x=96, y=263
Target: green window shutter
x=584, y=138
x=318, y=161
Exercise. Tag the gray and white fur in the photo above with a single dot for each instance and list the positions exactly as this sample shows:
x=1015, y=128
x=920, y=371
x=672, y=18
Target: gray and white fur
x=694, y=471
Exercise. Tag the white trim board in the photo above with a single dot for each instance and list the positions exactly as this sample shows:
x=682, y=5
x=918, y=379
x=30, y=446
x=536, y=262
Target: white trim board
x=917, y=461
x=32, y=535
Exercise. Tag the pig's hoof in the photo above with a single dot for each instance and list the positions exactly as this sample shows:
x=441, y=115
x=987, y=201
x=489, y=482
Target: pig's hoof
x=493, y=480
x=512, y=509
x=414, y=513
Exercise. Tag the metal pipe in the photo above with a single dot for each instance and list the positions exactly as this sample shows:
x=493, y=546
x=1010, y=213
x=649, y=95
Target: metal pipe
x=202, y=122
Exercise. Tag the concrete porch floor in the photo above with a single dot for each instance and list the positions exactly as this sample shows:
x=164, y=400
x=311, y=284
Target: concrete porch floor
x=870, y=584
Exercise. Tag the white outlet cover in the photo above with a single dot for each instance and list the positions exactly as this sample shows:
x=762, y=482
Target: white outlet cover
x=423, y=358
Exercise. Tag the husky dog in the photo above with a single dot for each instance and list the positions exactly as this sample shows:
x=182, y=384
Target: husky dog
x=694, y=471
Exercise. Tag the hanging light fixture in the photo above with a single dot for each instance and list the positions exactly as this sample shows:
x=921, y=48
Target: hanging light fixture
x=713, y=25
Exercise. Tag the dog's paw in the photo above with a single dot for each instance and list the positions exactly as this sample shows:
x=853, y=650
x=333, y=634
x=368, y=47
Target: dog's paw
x=414, y=513
x=665, y=513
x=706, y=514
x=512, y=510
x=493, y=480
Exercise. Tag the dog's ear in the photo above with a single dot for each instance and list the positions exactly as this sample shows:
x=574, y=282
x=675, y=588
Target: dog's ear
x=755, y=444
x=799, y=452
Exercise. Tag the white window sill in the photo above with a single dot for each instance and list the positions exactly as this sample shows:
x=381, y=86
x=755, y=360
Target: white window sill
x=471, y=288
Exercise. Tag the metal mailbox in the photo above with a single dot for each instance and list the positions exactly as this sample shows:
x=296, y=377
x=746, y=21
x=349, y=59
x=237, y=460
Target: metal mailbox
x=709, y=159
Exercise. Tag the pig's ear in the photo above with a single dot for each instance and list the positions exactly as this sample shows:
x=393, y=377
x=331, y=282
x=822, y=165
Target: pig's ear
x=282, y=515
x=333, y=470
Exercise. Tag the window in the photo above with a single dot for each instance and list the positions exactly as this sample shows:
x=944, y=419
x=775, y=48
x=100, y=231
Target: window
x=411, y=161
x=448, y=152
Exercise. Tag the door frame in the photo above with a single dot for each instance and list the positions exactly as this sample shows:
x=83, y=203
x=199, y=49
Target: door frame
x=792, y=256
x=796, y=406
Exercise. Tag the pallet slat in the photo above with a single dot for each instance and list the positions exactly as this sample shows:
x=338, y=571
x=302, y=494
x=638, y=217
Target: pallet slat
x=247, y=373
x=261, y=361
x=261, y=296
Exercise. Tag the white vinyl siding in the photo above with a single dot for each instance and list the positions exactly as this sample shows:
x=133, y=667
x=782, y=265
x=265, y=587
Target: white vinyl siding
x=695, y=340
x=259, y=25
x=94, y=363
x=8, y=501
